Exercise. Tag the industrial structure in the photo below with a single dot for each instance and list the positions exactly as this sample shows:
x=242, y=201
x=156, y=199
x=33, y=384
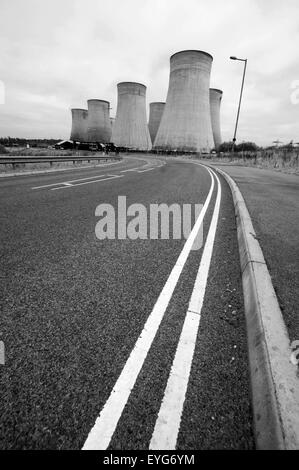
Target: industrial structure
x=99, y=127
x=215, y=102
x=155, y=115
x=79, y=125
x=186, y=122
x=112, y=120
x=130, y=128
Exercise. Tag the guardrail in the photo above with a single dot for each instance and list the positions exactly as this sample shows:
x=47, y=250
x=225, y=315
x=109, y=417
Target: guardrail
x=54, y=159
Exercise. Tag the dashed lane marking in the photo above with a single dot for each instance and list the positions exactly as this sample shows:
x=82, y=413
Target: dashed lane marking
x=149, y=169
x=131, y=169
x=70, y=181
x=112, y=177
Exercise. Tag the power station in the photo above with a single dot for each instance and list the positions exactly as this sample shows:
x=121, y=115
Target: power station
x=79, y=125
x=186, y=122
x=155, y=116
x=189, y=120
x=215, y=102
x=130, y=128
x=99, y=127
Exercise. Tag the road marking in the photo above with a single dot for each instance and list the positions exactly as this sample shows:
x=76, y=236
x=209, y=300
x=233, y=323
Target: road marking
x=89, y=178
x=88, y=182
x=149, y=169
x=70, y=181
x=139, y=170
x=131, y=169
x=105, y=425
x=47, y=185
x=169, y=418
x=64, y=184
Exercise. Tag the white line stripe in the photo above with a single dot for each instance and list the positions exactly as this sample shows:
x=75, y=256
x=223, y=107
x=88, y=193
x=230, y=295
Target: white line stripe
x=89, y=178
x=138, y=169
x=47, y=185
x=131, y=169
x=70, y=181
x=168, y=422
x=104, y=427
x=88, y=182
x=142, y=171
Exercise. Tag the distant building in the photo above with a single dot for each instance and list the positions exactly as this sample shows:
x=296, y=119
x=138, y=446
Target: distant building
x=65, y=145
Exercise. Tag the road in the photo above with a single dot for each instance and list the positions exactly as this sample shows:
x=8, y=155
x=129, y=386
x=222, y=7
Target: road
x=87, y=320
x=272, y=198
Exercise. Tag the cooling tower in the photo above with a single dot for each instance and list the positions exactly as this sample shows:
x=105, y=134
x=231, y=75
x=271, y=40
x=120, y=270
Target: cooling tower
x=186, y=121
x=215, y=102
x=79, y=125
x=112, y=122
x=156, y=111
x=130, y=127
x=99, y=127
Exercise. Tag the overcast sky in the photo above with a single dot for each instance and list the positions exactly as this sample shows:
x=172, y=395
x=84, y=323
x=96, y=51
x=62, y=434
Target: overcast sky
x=56, y=54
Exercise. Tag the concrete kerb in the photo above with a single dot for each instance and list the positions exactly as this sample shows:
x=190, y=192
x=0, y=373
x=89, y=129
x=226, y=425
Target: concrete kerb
x=274, y=379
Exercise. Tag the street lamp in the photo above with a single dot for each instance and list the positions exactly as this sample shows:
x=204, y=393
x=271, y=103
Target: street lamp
x=237, y=120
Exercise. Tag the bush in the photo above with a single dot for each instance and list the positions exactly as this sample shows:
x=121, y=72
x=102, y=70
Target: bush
x=225, y=147
x=3, y=150
x=246, y=147
x=242, y=147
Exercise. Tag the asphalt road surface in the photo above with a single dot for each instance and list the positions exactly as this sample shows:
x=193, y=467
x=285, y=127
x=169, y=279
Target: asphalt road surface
x=272, y=199
x=108, y=343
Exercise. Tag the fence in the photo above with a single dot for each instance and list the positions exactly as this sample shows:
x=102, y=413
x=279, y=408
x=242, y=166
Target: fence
x=55, y=159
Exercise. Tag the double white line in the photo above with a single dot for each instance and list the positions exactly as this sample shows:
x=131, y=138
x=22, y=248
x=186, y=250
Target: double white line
x=168, y=422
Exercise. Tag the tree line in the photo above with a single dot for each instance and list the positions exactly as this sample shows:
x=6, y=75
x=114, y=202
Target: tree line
x=20, y=142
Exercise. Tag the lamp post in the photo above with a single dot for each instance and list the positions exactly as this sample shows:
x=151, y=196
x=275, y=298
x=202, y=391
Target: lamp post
x=237, y=120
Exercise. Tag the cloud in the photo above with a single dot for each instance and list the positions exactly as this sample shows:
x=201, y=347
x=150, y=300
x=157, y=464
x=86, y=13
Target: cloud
x=56, y=55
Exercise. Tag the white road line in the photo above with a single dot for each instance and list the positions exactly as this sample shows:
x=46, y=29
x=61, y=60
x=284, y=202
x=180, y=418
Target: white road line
x=131, y=169
x=104, y=427
x=149, y=169
x=88, y=182
x=47, y=185
x=139, y=169
x=89, y=178
x=136, y=168
x=168, y=422
x=70, y=181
